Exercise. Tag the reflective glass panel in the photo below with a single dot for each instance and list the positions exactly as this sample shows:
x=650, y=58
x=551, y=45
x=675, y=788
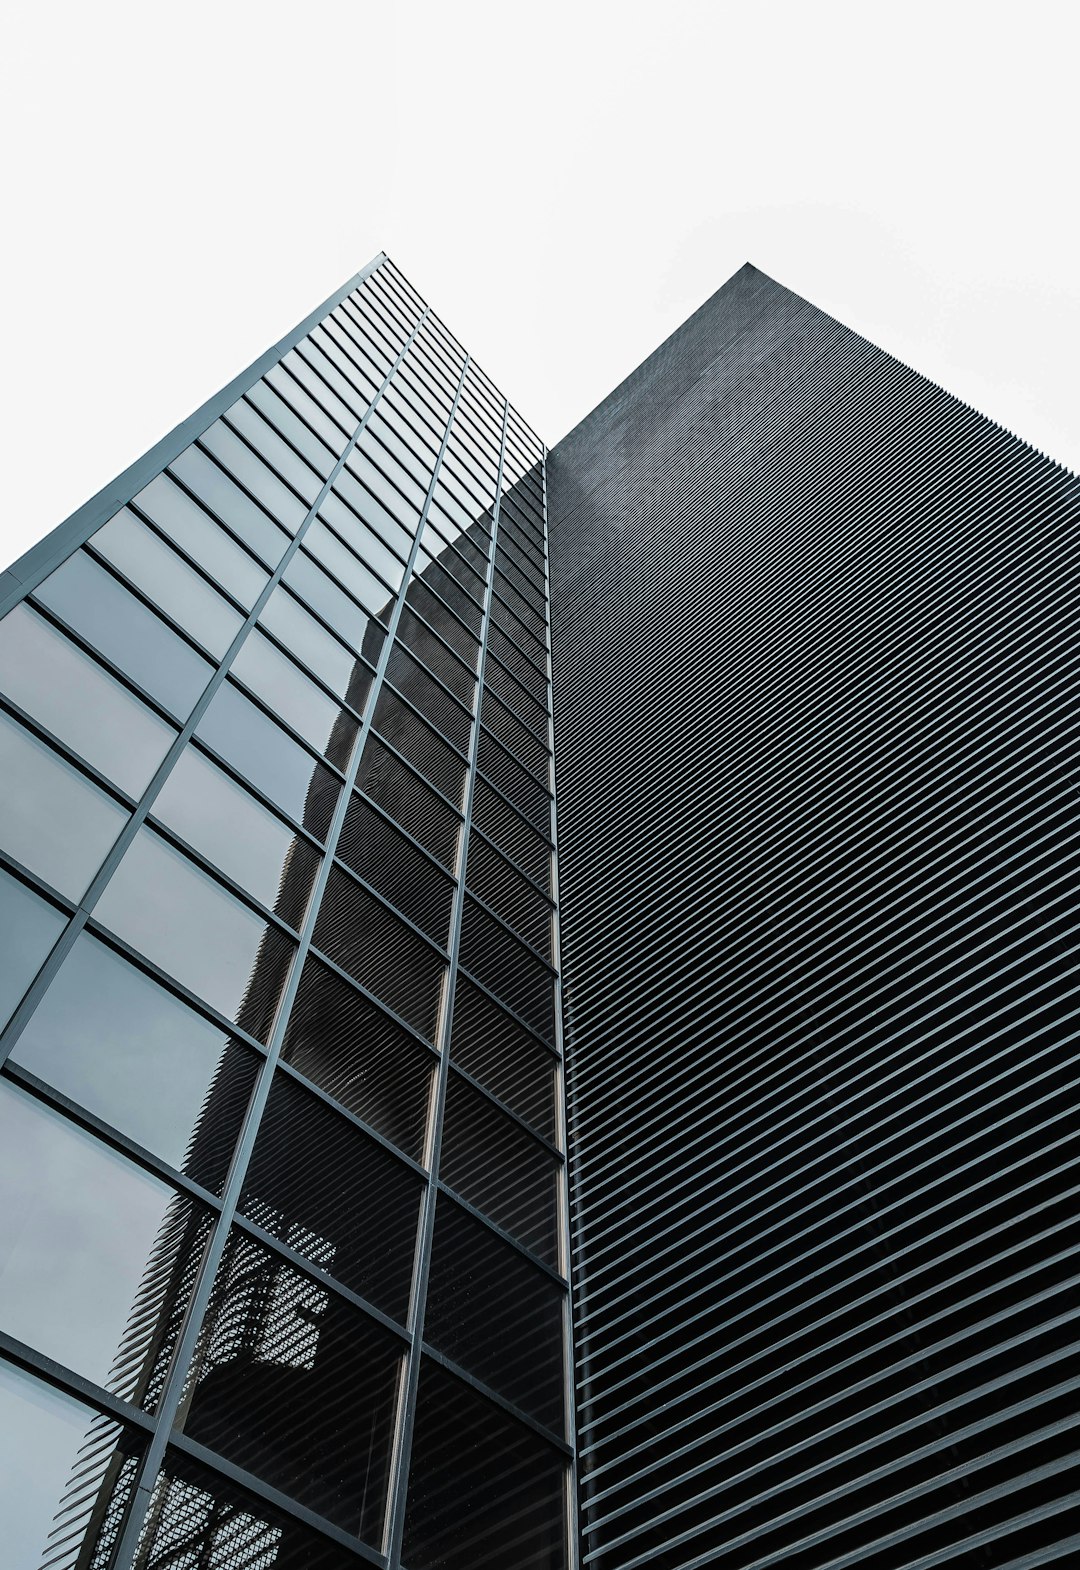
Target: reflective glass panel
x=53, y=1485
x=184, y=921
x=126, y=632
x=28, y=929
x=52, y=818
x=184, y=521
x=204, y=806
x=245, y=518
x=296, y=1385
x=485, y=1492
x=111, y=1039
x=75, y=698
x=335, y=607
x=167, y=580
x=86, y=1238
x=255, y=476
x=319, y=650
x=284, y=688
x=260, y=750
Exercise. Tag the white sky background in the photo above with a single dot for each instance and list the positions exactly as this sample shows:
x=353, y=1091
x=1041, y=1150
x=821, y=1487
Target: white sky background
x=564, y=182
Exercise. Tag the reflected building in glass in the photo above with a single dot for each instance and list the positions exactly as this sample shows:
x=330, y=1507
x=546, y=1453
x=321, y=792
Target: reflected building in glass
x=290, y=1174
x=282, y=1242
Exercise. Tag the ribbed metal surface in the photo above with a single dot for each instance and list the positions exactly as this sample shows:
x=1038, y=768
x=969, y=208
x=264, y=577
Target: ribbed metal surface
x=813, y=652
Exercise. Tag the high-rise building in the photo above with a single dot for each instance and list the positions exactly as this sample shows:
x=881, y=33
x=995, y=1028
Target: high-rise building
x=290, y=1179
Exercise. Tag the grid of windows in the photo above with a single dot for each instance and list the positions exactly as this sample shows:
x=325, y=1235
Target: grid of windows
x=282, y=1246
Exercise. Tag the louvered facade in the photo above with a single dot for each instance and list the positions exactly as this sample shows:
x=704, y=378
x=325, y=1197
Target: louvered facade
x=814, y=651
x=301, y=1136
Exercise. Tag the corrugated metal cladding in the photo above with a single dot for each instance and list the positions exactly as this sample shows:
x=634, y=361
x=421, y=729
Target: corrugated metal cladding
x=814, y=707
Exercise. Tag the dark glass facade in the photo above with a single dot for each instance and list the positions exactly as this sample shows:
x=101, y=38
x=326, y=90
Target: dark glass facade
x=282, y=1199
x=290, y=1176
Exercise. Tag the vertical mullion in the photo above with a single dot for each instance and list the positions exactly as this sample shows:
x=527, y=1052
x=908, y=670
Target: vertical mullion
x=573, y=1544
x=86, y=905
x=418, y=1305
x=174, y=1387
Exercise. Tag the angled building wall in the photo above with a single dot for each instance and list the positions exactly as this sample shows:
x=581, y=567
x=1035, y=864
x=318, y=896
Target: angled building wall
x=814, y=650
x=282, y=1241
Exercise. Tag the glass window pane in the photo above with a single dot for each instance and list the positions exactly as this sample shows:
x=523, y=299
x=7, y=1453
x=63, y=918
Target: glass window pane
x=485, y=1492
x=362, y=584
x=503, y=1056
x=245, y=518
x=319, y=650
x=260, y=750
x=111, y=1039
x=164, y=577
x=184, y=521
x=278, y=453
x=334, y=606
x=184, y=921
x=86, y=1240
x=355, y=1052
x=296, y=1385
x=283, y=687
x=125, y=631
x=495, y=1313
x=219, y=1526
x=255, y=476
x=72, y=696
x=28, y=929
x=352, y=1211
x=52, y=818
x=201, y=804
x=53, y=1485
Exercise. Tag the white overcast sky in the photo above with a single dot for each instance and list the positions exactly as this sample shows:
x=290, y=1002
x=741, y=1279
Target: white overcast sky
x=564, y=182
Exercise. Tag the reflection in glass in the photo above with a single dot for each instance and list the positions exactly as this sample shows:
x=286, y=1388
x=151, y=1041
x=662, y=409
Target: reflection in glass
x=262, y=752
x=247, y=520
x=215, y=815
x=352, y=1212
x=28, y=929
x=65, y=1471
x=219, y=1526
x=187, y=923
x=183, y=520
x=254, y=475
x=294, y=1384
x=125, y=631
x=52, y=818
x=335, y=607
x=318, y=649
x=485, y=1492
x=111, y=1039
x=97, y=1257
x=74, y=697
x=287, y=692
x=167, y=580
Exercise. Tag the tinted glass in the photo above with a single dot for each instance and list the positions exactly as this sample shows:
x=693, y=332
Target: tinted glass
x=53, y=1486
x=184, y=521
x=260, y=750
x=103, y=612
x=352, y=1212
x=28, y=929
x=52, y=818
x=293, y=1383
x=218, y=817
x=255, y=476
x=218, y=1526
x=167, y=580
x=110, y=1038
x=318, y=649
x=334, y=606
x=347, y=568
x=74, y=697
x=284, y=688
x=85, y=1238
x=245, y=518
x=184, y=921
x=485, y=1492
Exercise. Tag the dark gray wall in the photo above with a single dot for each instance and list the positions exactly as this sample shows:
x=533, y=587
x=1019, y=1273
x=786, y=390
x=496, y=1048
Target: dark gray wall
x=813, y=641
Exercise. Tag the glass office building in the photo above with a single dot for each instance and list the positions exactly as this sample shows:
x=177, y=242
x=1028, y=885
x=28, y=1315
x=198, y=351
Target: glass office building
x=291, y=1180
x=282, y=1241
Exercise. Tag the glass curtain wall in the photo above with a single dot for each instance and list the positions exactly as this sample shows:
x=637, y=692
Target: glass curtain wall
x=282, y=1241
